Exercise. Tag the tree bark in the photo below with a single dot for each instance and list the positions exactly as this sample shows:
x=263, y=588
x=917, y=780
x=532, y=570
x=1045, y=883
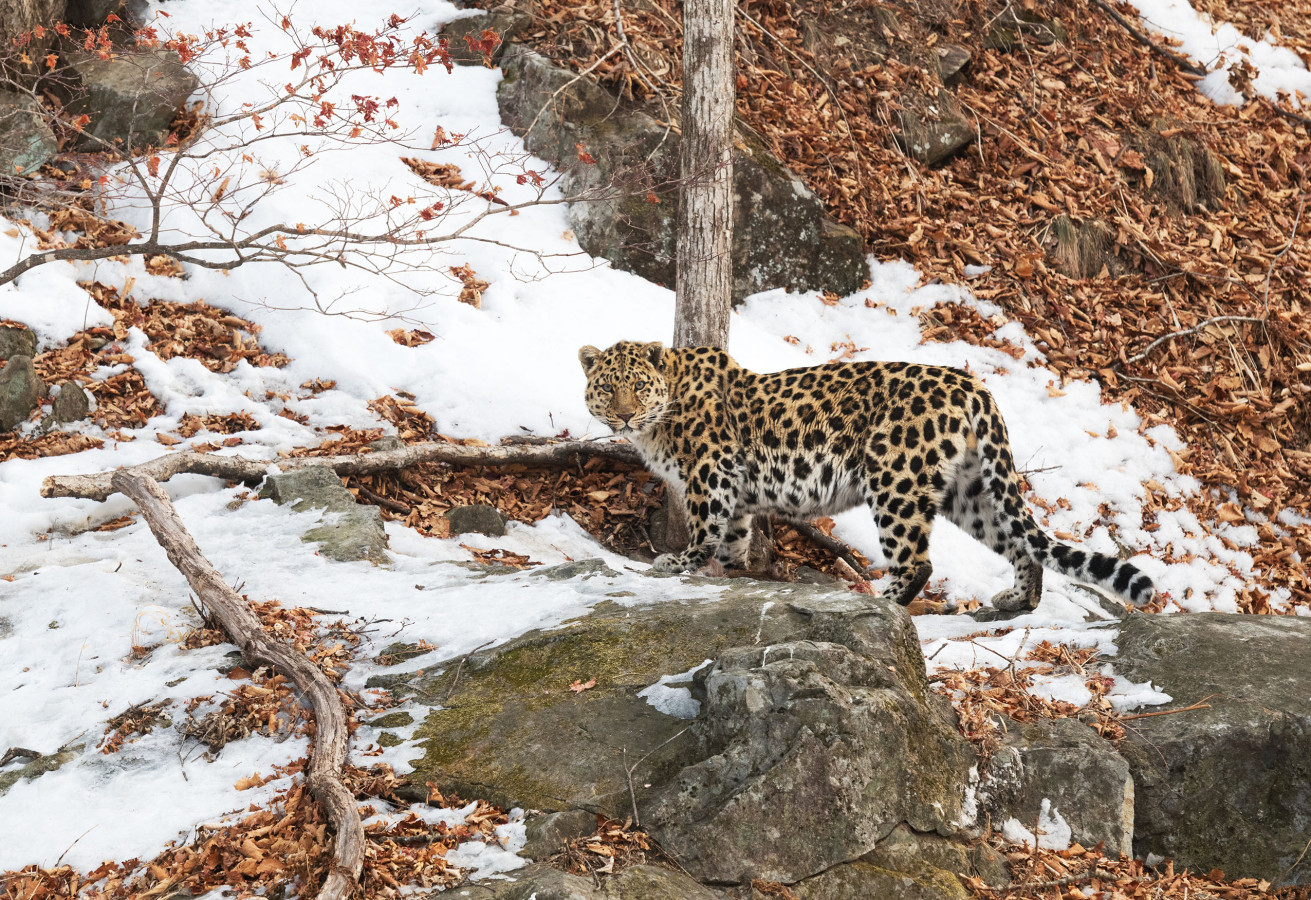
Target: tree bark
x=252, y=471
x=705, y=211
x=240, y=623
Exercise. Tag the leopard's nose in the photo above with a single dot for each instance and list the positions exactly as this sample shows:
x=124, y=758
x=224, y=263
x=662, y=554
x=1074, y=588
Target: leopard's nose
x=624, y=417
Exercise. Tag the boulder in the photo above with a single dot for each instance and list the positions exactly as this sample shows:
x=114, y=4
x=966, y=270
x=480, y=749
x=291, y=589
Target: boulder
x=933, y=132
x=782, y=236
x=1066, y=763
x=72, y=403
x=863, y=881
x=94, y=13
x=18, y=18
x=547, y=834
x=348, y=531
x=1226, y=786
x=953, y=61
x=817, y=735
x=16, y=340
x=542, y=882
x=21, y=390
x=26, y=139
x=479, y=518
x=131, y=98
x=503, y=20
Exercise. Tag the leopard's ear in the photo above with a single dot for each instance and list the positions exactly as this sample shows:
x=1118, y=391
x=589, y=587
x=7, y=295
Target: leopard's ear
x=588, y=356
x=655, y=351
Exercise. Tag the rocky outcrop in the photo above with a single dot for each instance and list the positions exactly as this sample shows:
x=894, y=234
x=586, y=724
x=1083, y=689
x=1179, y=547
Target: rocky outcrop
x=782, y=236
x=1070, y=766
x=1226, y=786
x=347, y=531
x=21, y=390
x=130, y=98
x=26, y=139
x=544, y=883
x=817, y=736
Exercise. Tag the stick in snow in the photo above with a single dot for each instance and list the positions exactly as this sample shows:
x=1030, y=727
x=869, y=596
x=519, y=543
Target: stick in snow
x=251, y=471
x=257, y=649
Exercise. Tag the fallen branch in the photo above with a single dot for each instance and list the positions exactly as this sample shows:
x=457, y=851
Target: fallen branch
x=240, y=623
x=839, y=548
x=252, y=471
x=1200, y=704
x=1139, y=357
x=1185, y=64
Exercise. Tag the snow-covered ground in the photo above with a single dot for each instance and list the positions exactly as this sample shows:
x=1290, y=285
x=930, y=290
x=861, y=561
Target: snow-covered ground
x=1219, y=47
x=75, y=602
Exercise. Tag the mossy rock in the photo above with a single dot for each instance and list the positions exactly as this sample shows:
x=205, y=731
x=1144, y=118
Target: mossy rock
x=851, y=745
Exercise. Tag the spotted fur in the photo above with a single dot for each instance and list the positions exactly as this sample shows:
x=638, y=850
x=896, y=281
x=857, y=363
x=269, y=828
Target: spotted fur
x=910, y=441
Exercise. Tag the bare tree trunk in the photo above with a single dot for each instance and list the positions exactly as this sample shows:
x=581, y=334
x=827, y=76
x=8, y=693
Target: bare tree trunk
x=705, y=212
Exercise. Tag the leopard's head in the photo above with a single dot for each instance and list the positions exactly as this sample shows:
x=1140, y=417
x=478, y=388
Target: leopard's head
x=626, y=388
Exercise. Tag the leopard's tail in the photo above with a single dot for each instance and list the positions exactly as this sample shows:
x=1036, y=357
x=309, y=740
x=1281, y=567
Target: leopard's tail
x=1020, y=529
x=1118, y=575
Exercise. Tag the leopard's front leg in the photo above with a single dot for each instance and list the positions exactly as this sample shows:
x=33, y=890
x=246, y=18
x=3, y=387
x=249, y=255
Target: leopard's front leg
x=709, y=497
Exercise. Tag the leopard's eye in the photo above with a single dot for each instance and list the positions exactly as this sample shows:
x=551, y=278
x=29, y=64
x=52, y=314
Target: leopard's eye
x=603, y=387
x=640, y=386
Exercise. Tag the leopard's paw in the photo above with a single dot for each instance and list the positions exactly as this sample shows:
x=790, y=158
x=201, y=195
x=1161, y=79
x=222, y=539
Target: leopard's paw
x=668, y=564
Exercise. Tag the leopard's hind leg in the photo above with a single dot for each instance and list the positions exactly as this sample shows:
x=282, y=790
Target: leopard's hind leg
x=971, y=503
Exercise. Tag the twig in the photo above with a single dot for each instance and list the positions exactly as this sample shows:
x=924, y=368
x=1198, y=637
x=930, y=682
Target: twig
x=1292, y=236
x=1185, y=64
x=252, y=471
x=258, y=649
x=1139, y=357
x=393, y=505
x=14, y=752
x=1200, y=704
x=456, y=681
x=642, y=73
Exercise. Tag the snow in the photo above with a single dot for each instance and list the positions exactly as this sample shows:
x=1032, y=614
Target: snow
x=79, y=600
x=1053, y=831
x=1219, y=46
x=676, y=701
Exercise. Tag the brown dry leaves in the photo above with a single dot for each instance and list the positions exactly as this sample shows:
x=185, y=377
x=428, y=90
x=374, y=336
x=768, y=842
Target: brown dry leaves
x=612, y=848
x=1064, y=874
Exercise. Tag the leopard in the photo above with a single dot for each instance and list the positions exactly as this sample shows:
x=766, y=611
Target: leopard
x=911, y=441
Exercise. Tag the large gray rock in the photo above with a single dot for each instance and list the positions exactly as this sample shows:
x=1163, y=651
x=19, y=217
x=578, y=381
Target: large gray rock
x=782, y=236
x=1069, y=765
x=26, y=139
x=817, y=735
x=16, y=340
x=131, y=97
x=1227, y=786
x=21, y=390
x=348, y=530
x=542, y=882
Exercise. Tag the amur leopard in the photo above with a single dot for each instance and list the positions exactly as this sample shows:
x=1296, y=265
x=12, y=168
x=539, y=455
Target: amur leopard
x=910, y=441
